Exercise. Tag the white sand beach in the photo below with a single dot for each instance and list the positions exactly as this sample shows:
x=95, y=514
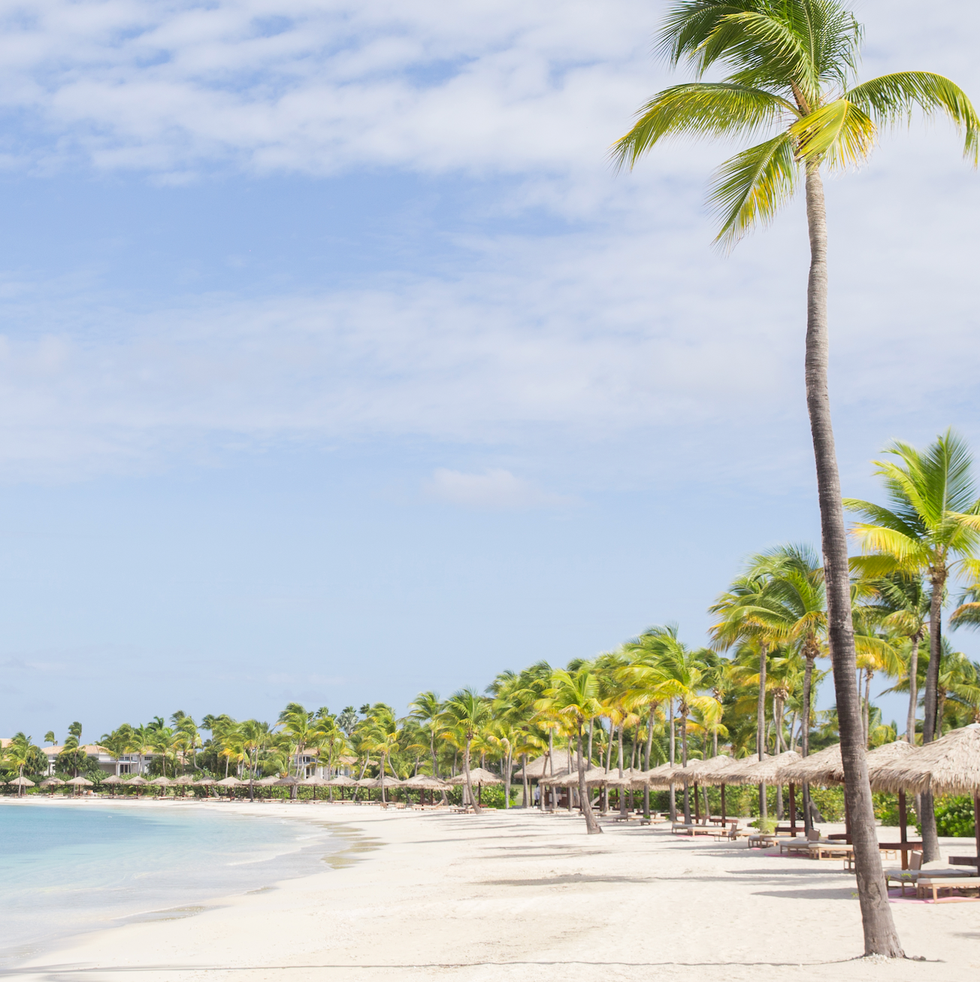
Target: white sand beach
x=520, y=895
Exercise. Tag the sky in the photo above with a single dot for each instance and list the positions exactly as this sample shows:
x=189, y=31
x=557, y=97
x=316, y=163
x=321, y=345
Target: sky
x=337, y=363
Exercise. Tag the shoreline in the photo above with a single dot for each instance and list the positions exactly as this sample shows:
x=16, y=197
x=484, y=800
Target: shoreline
x=515, y=895
x=262, y=861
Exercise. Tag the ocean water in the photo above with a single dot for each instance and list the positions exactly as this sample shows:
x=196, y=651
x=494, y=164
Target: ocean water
x=67, y=868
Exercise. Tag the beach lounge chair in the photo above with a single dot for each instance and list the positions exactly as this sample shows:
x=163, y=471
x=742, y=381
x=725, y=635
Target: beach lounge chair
x=911, y=876
x=797, y=846
x=831, y=850
x=730, y=833
x=930, y=882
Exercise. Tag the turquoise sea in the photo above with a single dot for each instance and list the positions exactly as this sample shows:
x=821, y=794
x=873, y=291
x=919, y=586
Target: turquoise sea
x=66, y=868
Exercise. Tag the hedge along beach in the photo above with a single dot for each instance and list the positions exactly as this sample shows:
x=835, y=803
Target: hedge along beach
x=517, y=895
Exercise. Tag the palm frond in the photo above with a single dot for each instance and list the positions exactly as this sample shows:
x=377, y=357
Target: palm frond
x=766, y=45
x=891, y=100
x=839, y=132
x=700, y=109
x=750, y=187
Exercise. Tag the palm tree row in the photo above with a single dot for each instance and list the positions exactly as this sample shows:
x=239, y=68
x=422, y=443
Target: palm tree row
x=653, y=698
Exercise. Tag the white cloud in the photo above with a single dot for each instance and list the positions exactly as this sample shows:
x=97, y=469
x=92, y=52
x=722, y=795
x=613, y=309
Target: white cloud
x=495, y=488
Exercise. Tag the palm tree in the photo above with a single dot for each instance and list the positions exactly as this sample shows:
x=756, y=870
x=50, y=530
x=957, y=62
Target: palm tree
x=575, y=697
x=790, y=66
x=20, y=754
x=901, y=604
x=931, y=528
x=681, y=674
x=468, y=712
x=426, y=709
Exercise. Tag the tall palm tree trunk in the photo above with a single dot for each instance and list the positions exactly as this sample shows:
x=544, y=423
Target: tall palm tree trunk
x=811, y=660
x=592, y=827
x=913, y=688
x=880, y=936
x=760, y=732
x=687, y=787
x=673, y=753
x=930, y=716
x=646, y=758
x=469, y=780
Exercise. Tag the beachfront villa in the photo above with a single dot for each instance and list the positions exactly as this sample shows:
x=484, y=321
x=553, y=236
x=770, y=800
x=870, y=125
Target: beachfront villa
x=125, y=764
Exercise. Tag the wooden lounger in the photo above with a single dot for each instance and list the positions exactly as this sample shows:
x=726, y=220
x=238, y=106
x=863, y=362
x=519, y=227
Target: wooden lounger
x=934, y=884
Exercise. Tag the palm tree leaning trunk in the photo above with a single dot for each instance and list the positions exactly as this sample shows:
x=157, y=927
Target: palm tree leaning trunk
x=592, y=827
x=916, y=640
x=790, y=68
x=880, y=935
x=760, y=732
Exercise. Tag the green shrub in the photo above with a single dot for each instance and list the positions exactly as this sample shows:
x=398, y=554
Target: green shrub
x=954, y=817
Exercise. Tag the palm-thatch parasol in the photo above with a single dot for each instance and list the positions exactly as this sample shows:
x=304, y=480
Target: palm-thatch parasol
x=267, y=782
x=79, y=782
x=20, y=783
x=52, y=782
x=184, y=779
x=161, y=782
x=228, y=782
x=818, y=768
x=137, y=782
x=341, y=781
x=286, y=782
x=949, y=765
x=204, y=782
x=424, y=781
x=112, y=779
x=478, y=776
x=312, y=782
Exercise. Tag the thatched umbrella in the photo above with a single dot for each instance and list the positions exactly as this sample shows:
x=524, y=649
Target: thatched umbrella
x=137, y=782
x=79, y=782
x=426, y=782
x=700, y=772
x=949, y=765
x=312, y=782
x=112, y=780
x=20, y=783
x=230, y=783
x=205, y=782
x=267, y=782
x=52, y=782
x=162, y=783
x=478, y=777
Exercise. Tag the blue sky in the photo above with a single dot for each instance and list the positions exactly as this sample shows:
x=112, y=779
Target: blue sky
x=336, y=363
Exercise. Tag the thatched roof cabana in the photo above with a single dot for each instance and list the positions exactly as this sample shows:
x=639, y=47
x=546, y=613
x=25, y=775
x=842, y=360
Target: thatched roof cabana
x=818, y=768
x=949, y=765
x=827, y=767
x=708, y=771
x=478, y=775
x=751, y=770
x=564, y=761
x=426, y=782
